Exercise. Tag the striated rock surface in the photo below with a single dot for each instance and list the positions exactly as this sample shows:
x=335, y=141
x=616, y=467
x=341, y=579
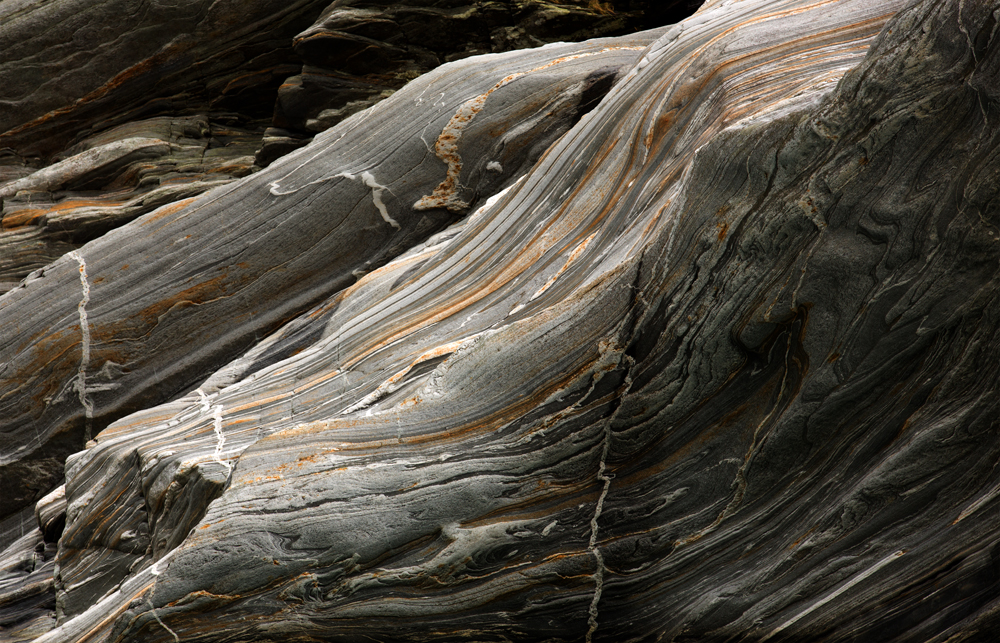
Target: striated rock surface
x=717, y=362
x=110, y=179
x=101, y=123
x=75, y=64
x=105, y=341
x=359, y=51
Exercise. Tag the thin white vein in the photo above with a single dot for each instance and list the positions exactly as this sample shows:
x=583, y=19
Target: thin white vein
x=220, y=437
x=81, y=378
x=611, y=351
x=840, y=590
x=599, y=573
x=206, y=406
x=156, y=572
x=369, y=180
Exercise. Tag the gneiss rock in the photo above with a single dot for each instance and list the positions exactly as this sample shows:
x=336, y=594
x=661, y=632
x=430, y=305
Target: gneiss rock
x=93, y=92
x=73, y=65
x=148, y=310
x=719, y=367
x=360, y=51
x=110, y=179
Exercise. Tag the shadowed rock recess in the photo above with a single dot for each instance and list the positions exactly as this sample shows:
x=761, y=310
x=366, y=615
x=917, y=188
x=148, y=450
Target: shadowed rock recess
x=686, y=335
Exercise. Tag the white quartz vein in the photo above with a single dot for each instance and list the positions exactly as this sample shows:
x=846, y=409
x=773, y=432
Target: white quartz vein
x=369, y=180
x=220, y=437
x=594, y=549
x=609, y=351
x=154, y=570
x=840, y=590
x=81, y=381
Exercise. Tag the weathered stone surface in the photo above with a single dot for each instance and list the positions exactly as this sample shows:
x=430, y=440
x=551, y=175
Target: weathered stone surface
x=90, y=335
x=110, y=179
x=209, y=75
x=27, y=598
x=76, y=64
x=720, y=366
x=359, y=51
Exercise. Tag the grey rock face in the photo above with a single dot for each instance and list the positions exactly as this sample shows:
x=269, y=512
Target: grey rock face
x=109, y=110
x=718, y=366
x=308, y=227
x=110, y=179
x=192, y=55
x=358, y=51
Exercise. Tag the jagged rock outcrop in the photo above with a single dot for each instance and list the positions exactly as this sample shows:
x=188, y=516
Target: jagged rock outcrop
x=719, y=366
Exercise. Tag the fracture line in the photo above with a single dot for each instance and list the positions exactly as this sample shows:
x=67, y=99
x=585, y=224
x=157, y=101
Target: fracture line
x=81, y=378
x=156, y=572
x=599, y=574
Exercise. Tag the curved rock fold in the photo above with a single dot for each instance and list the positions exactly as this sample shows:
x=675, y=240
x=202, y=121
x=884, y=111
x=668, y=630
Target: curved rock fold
x=688, y=335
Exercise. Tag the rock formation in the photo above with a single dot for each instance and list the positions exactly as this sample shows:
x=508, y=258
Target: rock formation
x=99, y=123
x=685, y=335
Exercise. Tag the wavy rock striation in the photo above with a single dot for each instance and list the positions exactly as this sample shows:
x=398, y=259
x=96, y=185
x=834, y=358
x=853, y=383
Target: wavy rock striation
x=719, y=366
x=237, y=262
x=101, y=124
x=110, y=179
x=359, y=50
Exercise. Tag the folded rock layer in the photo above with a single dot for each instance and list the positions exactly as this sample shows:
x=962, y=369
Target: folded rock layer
x=111, y=109
x=237, y=262
x=719, y=366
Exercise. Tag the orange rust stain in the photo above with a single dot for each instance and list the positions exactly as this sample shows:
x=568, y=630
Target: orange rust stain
x=28, y=216
x=802, y=537
x=723, y=228
x=260, y=402
x=48, y=353
x=141, y=323
x=197, y=294
x=22, y=218
x=833, y=358
x=229, y=169
x=166, y=210
x=262, y=479
x=170, y=53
